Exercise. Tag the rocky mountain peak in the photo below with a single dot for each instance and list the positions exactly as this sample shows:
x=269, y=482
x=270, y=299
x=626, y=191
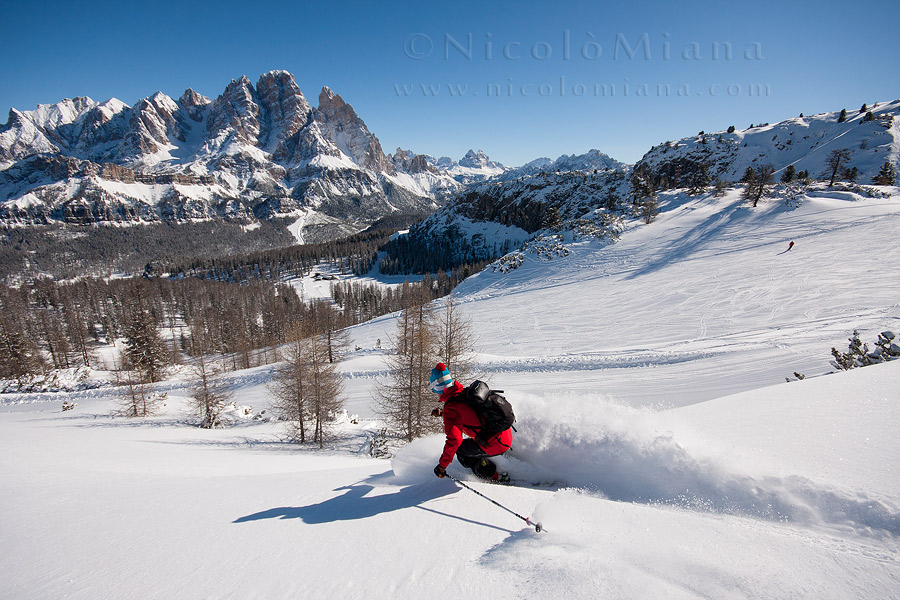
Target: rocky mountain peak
x=153, y=121
x=282, y=101
x=350, y=132
x=236, y=111
x=410, y=162
x=475, y=160
x=193, y=104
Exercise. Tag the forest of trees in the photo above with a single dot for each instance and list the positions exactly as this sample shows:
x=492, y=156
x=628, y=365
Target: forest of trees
x=46, y=325
x=66, y=252
x=356, y=254
x=158, y=321
x=453, y=250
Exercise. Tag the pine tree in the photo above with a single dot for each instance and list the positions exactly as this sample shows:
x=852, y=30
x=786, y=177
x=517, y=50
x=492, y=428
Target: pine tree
x=759, y=184
x=55, y=340
x=641, y=185
x=456, y=341
x=325, y=385
x=649, y=209
x=144, y=347
x=843, y=116
x=77, y=332
x=699, y=179
x=835, y=161
x=136, y=400
x=288, y=386
x=552, y=219
x=886, y=176
x=19, y=355
x=719, y=188
x=748, y=176
x=611, y=202
x=404, y=399
x=789, y=174
x=209, y=394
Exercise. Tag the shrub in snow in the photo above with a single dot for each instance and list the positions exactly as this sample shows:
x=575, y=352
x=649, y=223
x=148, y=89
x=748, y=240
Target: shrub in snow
x=886, y=345
x=378, y=445
x=601, y=226
x=859, y=355
x=509, y=262
x=862, y=190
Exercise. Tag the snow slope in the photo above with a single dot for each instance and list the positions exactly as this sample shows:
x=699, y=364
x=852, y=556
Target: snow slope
x=648, y=377
x=102, y=507
x=701, y=303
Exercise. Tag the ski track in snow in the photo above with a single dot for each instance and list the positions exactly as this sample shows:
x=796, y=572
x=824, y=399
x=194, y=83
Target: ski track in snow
x=618, y=453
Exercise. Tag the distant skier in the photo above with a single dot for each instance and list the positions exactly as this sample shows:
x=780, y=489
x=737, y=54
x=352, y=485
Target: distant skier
x=460, y=418
x=791, y=245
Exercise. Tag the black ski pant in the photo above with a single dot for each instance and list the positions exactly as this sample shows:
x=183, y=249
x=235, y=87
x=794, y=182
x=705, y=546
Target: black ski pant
x=472, y=456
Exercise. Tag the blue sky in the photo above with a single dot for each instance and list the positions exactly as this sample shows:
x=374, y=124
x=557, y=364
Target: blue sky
x=519, y=79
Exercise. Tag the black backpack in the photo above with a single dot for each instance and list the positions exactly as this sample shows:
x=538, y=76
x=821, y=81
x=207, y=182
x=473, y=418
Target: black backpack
x=493, y=410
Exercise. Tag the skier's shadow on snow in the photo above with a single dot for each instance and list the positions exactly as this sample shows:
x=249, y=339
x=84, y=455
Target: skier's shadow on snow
x=356, y=503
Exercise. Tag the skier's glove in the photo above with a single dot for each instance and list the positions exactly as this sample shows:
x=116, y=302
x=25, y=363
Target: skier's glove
x=440, y=471
x=437, y=412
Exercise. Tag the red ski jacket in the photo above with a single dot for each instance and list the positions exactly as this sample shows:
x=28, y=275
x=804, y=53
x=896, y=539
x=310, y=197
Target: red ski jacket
x=459, y=419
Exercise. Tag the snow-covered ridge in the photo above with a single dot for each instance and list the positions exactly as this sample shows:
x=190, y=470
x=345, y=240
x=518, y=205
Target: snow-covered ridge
x=871, y=137
x=571, y=194
x=571, y=189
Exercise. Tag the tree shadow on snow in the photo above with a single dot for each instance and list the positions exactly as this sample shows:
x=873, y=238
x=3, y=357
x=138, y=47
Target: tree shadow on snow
x=357, y=502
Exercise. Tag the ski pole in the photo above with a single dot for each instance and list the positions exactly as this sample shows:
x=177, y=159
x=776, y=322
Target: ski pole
x=537, y=526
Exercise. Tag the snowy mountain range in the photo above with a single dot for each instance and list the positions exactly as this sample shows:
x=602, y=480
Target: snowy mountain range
x=590, y=161
x=262, y=151
x=255, y=152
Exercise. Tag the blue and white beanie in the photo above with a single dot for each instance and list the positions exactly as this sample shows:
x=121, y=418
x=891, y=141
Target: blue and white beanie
x=440, y=378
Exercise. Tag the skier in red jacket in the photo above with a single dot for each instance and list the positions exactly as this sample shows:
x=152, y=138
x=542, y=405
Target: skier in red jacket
x=459, y=419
